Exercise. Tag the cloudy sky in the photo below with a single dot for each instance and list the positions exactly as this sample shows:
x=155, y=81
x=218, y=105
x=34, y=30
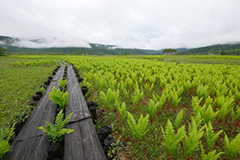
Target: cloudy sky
x=148, y=24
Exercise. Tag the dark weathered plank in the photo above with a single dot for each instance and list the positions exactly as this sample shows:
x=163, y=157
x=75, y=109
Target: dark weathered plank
x=31, y=143
x=44, y=111
x=83, y=143
x=77, y=104
x=28, y=149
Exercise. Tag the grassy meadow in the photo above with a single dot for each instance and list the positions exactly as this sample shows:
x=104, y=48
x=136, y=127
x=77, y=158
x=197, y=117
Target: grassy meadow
x=163, y=107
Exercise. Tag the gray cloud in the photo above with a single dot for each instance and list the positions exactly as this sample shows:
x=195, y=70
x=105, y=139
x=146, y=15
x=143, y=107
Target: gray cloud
x=152, y=24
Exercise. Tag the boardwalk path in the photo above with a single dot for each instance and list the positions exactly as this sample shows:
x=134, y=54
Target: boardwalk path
x=83, y=144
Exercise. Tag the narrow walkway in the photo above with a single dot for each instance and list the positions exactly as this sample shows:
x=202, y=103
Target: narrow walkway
x=83, y=143
x=31, y=143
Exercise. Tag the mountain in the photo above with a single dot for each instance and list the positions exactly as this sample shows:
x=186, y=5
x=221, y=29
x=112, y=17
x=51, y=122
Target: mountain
x=213, y=49
x=16, y=45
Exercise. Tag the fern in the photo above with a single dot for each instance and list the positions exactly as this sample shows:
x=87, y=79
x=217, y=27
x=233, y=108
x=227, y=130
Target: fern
x=171, y=141
x=196, y=104
x=122, y=110
x=57, y=130
x=62, y=84
x=59, y=97
x=138, y=130
x=211, y=155
x=211, y=137
x=4, y=142
x=208, y=114
x=232, y=149
x=178, y=119
x=152, y=107
x=191, y=141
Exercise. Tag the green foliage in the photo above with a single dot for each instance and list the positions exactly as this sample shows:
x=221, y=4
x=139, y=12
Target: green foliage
x=208, y=114
x=191, y=140
x=59, y=97
x=169, y=50
x=5, y=135
x=110, y=98
x=62, y=84
x=232, y=149
x=211, y=155
x=137, y=96
x=211, y=137
x=171, y=141
x=178, y=119
x=122, y=110
x=57, y=130
x=138, y=129
x=152, y=107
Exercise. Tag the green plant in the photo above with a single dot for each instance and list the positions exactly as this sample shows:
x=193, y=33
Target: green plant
x=138, y=130
x=152, y=107
x=62, y=84
x=171, y=141
x=122, y=110
x=5, y=135
x=211, y=137
x=59, y=97
x=232, y=149
x=114, y=150
x=178, y=119
x=137, y=96
x=211, y=155
x=208, y=114
x=57, y=130
x=191, y=140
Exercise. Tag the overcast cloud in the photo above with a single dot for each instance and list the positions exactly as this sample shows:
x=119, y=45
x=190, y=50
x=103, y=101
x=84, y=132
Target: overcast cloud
x=148, y=24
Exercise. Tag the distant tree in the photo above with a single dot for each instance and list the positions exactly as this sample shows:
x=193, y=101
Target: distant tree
x=3, y=51
x=125, y=53
x=169, y=51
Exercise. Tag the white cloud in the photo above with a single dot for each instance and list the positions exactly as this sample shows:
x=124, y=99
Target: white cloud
x=127, y=23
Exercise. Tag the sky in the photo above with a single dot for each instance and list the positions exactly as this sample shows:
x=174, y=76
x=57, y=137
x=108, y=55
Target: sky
x=145, y=24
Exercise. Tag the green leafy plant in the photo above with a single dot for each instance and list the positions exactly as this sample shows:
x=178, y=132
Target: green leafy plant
x=122, y=110
x=208, y=114
x=152, y=107
x=59, y=97
x=62, y=84
x=211, y=137
x=171, y=141
x=211, y=155
x=138, y=130
x=191, y=141
x=178, y=119
x=232, y=149
x=57, y=130
x=5, y=135
x=137, y=96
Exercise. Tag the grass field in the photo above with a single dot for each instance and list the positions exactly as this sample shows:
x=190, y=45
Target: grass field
x=19, y=83
x=187, y=106
x=183, y=101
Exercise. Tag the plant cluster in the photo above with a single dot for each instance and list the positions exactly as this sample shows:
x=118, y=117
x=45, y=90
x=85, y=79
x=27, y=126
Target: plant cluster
x=56, y=131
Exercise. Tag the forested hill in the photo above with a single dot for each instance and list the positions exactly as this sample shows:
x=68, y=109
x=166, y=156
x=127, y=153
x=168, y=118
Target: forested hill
x=96, y=49
x=214, y=48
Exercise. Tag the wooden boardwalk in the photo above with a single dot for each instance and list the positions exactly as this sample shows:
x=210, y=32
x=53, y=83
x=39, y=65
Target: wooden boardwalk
x=83, y=143
x=31, y=143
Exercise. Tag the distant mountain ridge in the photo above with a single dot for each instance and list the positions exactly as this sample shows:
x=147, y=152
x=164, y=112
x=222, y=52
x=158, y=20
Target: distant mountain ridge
x=15, y=45
x=212, y=48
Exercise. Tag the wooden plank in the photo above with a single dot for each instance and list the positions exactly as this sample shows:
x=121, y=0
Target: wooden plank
x=77, y=104
x=28, y=149
x=31, y=143
x=83, y=143
x=44, y=111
